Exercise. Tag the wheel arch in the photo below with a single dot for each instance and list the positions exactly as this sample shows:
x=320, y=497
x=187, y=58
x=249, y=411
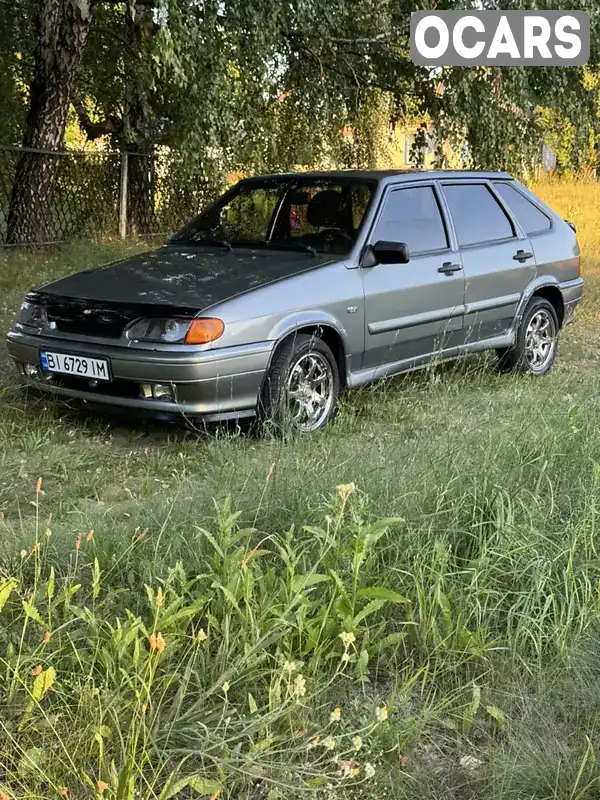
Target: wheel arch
x=325, y=328
x=548, y=288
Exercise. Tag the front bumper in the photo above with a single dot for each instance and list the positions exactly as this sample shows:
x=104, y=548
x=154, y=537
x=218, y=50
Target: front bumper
x=214, y=384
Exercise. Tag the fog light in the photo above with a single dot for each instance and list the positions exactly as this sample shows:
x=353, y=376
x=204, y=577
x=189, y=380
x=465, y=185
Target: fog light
x=32, y=370
x=162, y=391
x=157, y=391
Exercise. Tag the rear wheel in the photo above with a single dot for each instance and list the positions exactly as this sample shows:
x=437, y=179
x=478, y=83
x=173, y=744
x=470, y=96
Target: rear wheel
x=534, y=350
x=302, y=387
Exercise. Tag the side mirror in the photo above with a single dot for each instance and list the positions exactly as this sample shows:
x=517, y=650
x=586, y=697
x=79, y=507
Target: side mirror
x=386, y=253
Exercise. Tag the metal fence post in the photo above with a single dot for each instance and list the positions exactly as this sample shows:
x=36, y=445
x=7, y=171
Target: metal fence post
x=123, y=195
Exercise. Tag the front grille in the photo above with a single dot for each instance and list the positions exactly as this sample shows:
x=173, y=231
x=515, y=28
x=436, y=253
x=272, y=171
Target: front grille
x=89, y=318
x=100, y=319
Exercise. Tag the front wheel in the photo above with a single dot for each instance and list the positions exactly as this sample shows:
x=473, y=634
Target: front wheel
x=534, y=350
x=302, y=387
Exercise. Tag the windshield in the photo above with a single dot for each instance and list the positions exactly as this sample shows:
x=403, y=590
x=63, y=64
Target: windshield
x=315, y=215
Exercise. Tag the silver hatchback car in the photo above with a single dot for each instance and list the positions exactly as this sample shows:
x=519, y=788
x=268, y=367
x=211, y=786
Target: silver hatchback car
x=292, y=288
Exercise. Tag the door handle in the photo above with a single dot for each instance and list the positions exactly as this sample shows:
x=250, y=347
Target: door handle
x=521, y=255
x=448, y=268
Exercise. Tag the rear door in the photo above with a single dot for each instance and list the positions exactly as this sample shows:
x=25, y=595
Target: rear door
x=417, y=308
x=535, y=224
x=497, y=257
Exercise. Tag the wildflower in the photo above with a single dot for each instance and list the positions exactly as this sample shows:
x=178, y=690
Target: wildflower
x=347, y=767
x=225, y=687
x=355, y=772
x=201, y=636
x=3, y=796
x=48, y=533
x=247, y=558
x=289, y=667
x=35, y=547
x=314, y=742
x=38, y=486
x=329, y=743
x=369, y=770
x=63, y=791
x=347, y=639
x=381, y=714
x=102, y=786
x=335, y=715
x=300, y=686
x=144, y=708
x=344, y=490
x=160, y=598
x=157, y=642
x=78, y=543
x=36, y=670
x=90, y=536
x=470, y=762
x=357, y=742
x=47, y=637
x=404, y=762
x=23, y=553
x=300, y=734
x=215, y=795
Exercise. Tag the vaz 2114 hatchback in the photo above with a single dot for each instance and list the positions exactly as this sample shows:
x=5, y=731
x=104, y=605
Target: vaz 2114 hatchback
x=290, y=289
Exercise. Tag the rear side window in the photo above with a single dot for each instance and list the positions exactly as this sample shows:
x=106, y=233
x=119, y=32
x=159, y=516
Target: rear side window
x=529, y=216
x=477, y=215
x=413, y=216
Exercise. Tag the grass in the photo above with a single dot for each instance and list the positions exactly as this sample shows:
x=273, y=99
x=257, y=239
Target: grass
x=185, y=614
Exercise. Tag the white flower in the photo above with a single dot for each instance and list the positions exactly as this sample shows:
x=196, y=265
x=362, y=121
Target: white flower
x=369, y=770
x=300, y=685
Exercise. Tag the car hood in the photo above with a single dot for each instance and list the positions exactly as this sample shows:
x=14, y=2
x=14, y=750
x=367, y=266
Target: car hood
x=191, y=277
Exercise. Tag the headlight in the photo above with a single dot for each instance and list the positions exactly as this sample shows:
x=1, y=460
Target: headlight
x=33, y=315
x=176, y=331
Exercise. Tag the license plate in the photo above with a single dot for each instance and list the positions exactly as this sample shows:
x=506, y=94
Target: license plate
x=81, y=366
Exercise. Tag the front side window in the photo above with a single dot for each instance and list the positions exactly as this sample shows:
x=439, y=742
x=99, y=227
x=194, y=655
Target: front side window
x=478, y=217
x=324, y=215
x=529, y=216
x=413, y=216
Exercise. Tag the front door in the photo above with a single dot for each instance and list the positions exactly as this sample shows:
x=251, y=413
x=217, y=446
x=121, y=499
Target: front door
x=413, y=309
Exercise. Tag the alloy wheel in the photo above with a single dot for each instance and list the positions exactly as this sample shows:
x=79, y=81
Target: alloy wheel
x=540, y=340
x=310, y=391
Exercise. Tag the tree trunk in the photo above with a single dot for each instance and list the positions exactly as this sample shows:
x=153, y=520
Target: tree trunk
x=61, y=31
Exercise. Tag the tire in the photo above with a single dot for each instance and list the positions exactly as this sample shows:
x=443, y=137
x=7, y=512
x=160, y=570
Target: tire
x=533, y=353
x=305, y=367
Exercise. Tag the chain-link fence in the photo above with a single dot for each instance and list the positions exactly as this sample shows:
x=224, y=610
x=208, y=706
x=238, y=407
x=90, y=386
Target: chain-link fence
x=95, y=193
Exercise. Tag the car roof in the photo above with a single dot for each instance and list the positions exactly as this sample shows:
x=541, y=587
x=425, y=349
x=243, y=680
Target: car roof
x=385, y=175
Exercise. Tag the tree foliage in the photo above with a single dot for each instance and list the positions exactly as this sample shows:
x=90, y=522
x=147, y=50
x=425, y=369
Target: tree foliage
x=265, y=84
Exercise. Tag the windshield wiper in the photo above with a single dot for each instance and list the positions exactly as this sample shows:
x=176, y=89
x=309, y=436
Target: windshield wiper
x=300, y=246
x=209, y=242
